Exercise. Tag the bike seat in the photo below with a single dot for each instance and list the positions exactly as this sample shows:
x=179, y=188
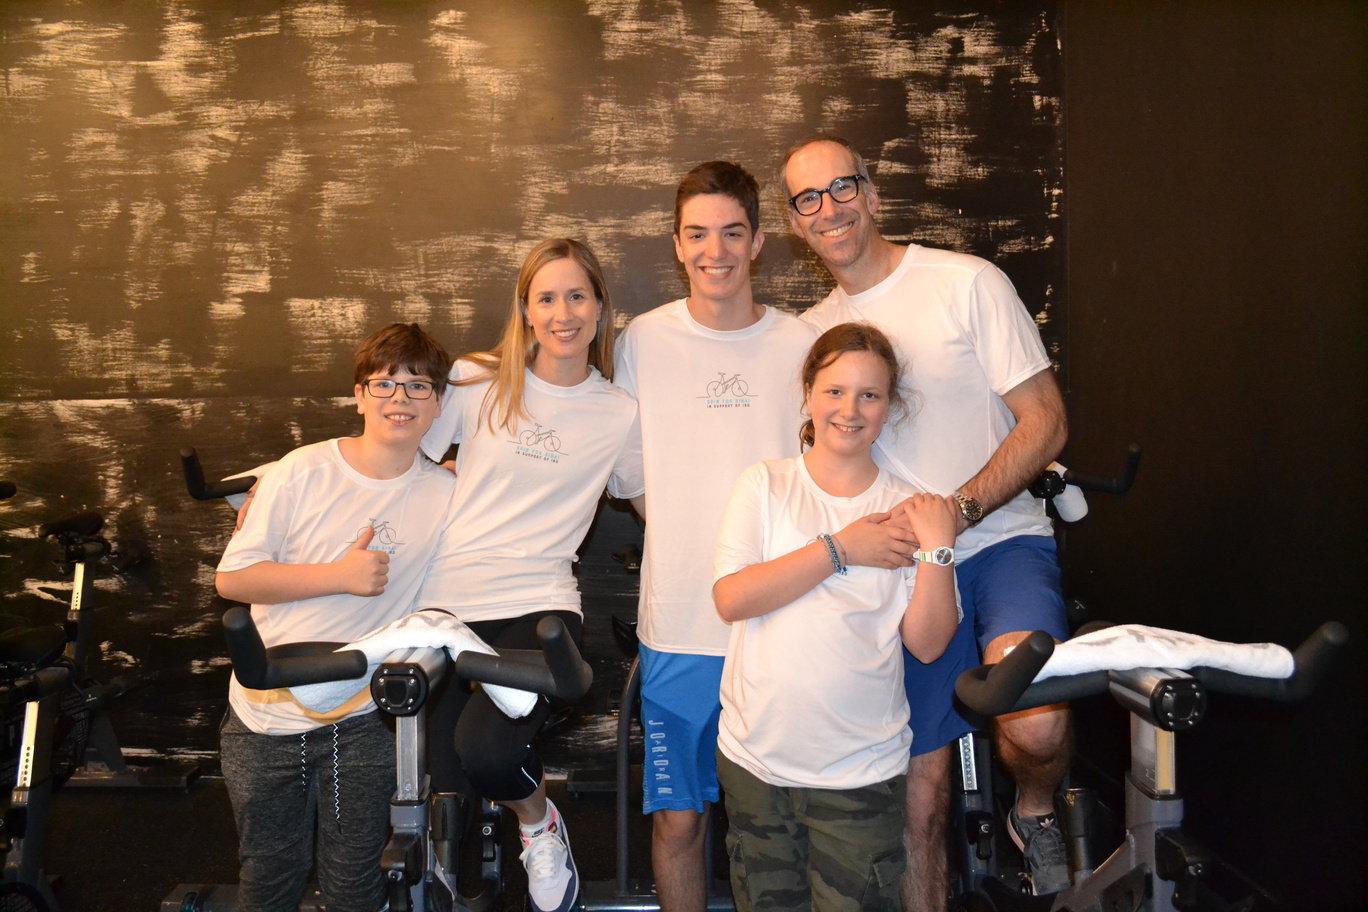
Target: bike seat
x=31, y=646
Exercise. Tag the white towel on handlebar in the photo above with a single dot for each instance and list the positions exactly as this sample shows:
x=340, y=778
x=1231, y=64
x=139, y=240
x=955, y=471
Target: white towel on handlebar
x=430, y=627
x=1135, y=646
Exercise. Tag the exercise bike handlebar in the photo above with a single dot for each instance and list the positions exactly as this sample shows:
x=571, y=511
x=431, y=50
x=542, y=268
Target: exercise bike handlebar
x=556, y=671
x=1118, y=484
x=203, y=490
x=79, y=525
x=34, y=686
x=992, y=690
x=289, y=665
x=1311, y=660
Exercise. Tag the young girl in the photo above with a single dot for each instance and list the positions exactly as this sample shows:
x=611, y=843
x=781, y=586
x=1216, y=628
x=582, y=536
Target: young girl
x=813, y=742
x=541, y=431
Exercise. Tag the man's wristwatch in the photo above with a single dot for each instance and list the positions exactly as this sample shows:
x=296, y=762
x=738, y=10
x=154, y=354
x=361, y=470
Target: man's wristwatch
x=941, y=557
x=970, y=509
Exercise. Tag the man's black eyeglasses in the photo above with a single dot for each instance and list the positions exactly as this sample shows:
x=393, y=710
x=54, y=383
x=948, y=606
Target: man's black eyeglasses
x=385, y=388
x=842, y=190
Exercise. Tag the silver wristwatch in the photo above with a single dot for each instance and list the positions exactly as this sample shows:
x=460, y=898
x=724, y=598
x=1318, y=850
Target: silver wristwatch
x=941, y=557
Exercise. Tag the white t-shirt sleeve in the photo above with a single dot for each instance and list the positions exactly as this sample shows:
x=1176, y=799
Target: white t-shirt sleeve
x=624, y=363
x=449, y=426
x=1004, y=336
x=263, y=532
x=741, y=537
x=628, y=478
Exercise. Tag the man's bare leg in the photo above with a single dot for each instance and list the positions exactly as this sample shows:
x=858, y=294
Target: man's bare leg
x=677, y=839
x=925, y=884
x=1035, y=745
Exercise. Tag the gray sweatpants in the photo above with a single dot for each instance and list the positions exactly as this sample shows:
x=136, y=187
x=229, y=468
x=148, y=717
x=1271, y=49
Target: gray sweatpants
x=339, y=778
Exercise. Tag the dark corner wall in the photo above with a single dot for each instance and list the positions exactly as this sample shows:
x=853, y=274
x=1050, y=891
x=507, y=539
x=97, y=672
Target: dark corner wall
x=1215, y=158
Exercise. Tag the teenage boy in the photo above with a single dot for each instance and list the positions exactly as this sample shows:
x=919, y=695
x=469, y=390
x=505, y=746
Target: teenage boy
x=990, y=419
x=337, y=544
x=716, y=377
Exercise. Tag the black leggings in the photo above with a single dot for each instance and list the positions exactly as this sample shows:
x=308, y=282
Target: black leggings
x=472, y=746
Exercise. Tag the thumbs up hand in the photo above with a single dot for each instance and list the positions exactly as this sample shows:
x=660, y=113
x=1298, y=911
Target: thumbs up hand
x=362, y=571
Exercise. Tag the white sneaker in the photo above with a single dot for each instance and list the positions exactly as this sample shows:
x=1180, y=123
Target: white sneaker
x=552, y=881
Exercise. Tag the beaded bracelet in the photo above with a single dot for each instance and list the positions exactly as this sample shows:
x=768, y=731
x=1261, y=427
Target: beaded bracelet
x=831, y=552
x=840, y=550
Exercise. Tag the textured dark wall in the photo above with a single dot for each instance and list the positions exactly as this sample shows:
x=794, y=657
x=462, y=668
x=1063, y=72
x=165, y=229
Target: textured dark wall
x=204, y=205
x=1216, y=182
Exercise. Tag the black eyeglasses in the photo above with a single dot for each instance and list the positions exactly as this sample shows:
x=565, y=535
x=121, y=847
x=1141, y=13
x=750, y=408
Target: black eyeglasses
x=385, y=388
x=842, y=190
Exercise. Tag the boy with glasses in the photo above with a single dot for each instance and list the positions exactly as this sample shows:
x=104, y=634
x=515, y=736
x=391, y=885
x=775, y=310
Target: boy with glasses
x=336, y=545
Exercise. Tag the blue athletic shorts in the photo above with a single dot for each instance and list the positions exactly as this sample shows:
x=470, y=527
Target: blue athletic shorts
x=1014, y=585
x=1010, y=586
x=680, y=705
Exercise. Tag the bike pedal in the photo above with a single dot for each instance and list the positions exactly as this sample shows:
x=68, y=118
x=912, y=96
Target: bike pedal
x=982, y=831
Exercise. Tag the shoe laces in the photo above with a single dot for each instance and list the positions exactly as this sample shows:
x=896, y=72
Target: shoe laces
x=544, y=854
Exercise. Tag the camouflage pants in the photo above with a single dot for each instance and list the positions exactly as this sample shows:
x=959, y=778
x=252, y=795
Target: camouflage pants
x=805, y=848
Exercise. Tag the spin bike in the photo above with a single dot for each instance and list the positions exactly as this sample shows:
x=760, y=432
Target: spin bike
x=1157, y=867
x=977, y=821
x=25, y=886
x=55, y=720
x=421, y=825
x=32, y=677
x=100, y=761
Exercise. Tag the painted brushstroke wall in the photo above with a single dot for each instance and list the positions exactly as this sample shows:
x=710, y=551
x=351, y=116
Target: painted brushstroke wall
x=204, y=206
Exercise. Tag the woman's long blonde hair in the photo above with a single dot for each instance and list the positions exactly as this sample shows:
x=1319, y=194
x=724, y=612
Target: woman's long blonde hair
x=507, y=363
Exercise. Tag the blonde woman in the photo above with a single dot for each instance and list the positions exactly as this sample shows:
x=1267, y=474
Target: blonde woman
x=541, y=431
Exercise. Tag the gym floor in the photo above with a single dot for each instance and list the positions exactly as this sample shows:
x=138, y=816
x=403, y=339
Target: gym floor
x=126, y=851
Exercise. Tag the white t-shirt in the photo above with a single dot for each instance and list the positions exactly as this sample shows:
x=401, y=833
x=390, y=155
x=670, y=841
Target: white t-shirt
x=525, y=498
x=965, y=339
x=309, y=509
x=712, y=403
x=812, y=693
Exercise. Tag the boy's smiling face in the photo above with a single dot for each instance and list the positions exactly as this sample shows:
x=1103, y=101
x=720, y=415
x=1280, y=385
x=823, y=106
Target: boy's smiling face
x=716, y=244
x=400, y=419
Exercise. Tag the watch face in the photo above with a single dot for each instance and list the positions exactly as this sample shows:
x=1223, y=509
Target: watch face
x=972, y=509
x=943, y=556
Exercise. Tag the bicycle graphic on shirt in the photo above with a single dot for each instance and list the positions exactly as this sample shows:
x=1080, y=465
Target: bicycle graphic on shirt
x=727, y=386
x=384, y=534
x=546, y=439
